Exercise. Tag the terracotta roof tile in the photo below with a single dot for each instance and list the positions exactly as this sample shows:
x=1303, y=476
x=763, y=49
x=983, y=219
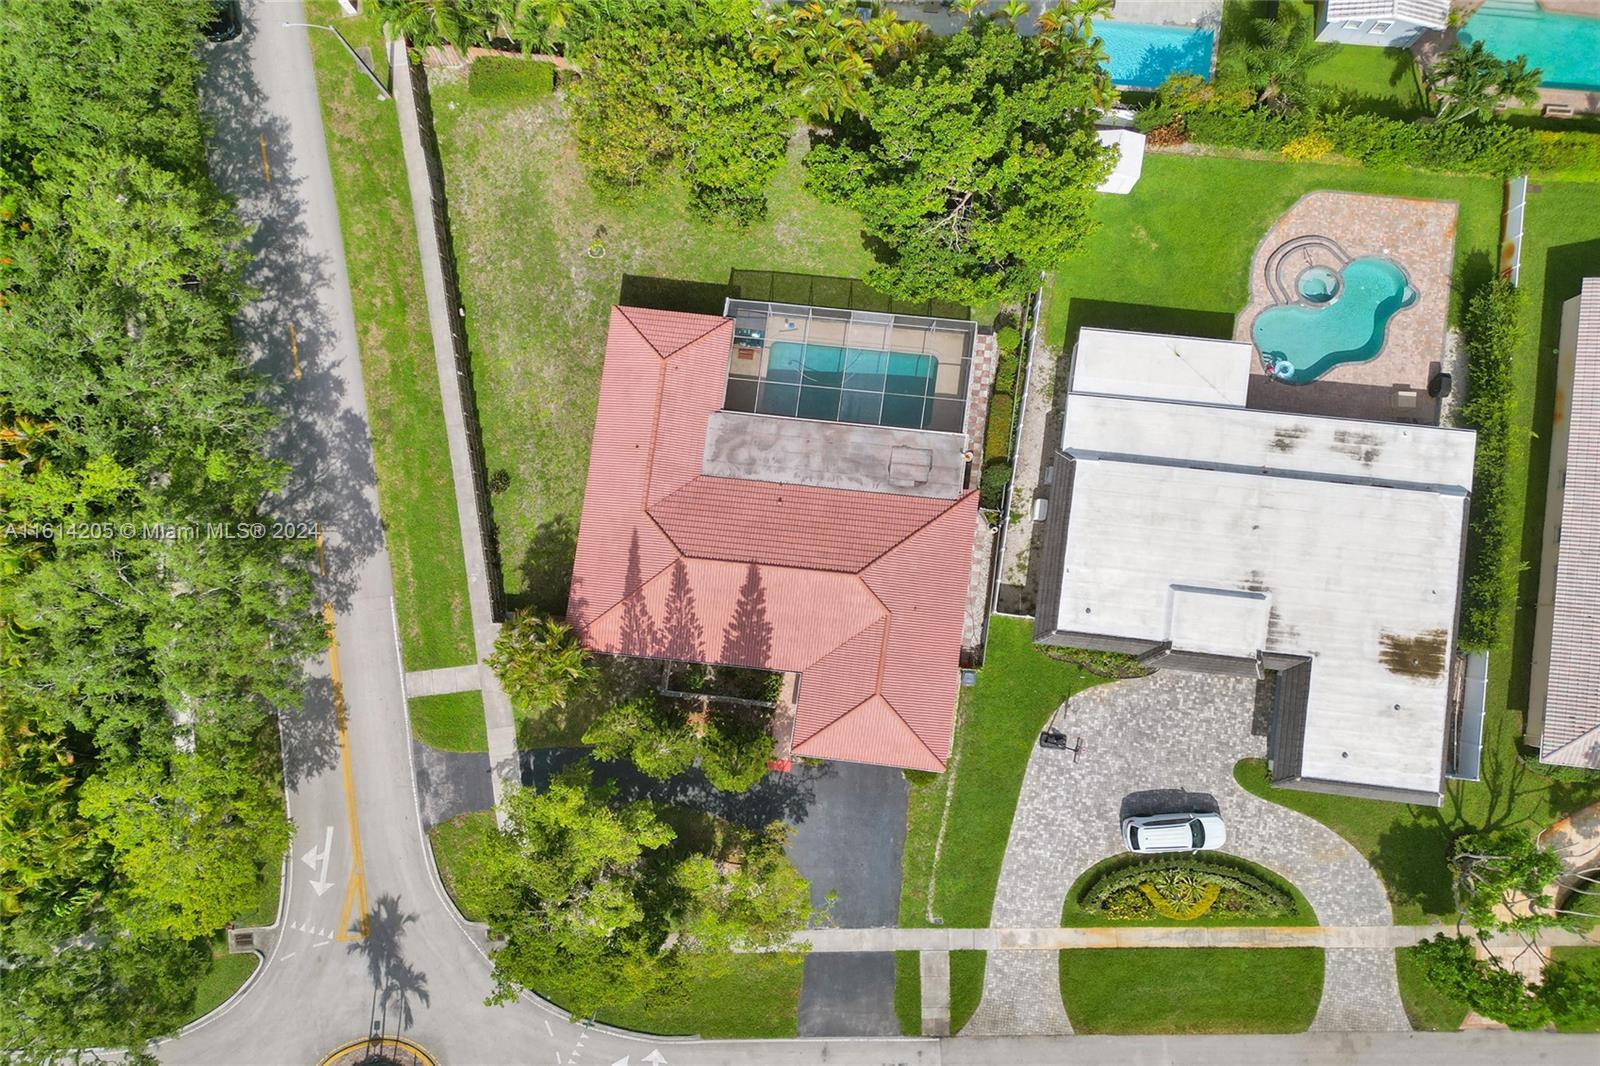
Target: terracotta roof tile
x=861, y=593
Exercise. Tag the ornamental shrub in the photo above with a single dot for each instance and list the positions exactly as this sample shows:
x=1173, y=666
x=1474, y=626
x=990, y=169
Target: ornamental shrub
x=1008, y=339
x=1184, y=885
x=505, y=80
x=992, y=486
x=1491, y=330
x=997, y=435
x=1569, y=155
x=1307, y=148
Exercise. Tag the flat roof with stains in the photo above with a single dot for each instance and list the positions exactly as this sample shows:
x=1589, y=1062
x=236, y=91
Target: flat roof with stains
x=1334, y=539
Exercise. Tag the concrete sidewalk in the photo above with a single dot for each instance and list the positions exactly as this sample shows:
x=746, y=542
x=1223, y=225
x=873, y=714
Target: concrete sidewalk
x=503, y=765
x=444, y=680
x=1268, y=936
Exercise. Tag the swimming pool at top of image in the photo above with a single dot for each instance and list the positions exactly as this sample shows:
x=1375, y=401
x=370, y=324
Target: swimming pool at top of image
x=1566, y=48
x=1300, y=342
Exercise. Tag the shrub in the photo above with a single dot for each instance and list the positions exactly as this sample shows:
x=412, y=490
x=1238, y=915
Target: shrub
x=1307, y=148
x=1008, y=340
x=997, y=435
x=992, y=486
x=505, y=80
x=1491, y=330
x=1487, y=148
x=1569, y=155
x=1183, y=888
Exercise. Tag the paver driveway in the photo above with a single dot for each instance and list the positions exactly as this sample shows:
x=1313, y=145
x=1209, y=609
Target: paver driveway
x=1170, y=730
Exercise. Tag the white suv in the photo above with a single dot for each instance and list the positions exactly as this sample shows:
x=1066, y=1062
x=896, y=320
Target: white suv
x=1173, y=832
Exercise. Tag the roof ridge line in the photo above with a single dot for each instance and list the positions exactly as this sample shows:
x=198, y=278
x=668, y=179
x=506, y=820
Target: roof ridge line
x=603, y=615
x=952, y=506
x=623, y=309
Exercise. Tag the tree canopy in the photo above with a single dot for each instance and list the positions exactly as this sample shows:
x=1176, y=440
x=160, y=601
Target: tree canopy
x=1470, y=82
x=142, y=672
x=599, y=903
x=974, y=167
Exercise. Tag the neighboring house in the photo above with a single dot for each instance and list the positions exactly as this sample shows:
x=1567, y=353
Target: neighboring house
x=1320, y=555
x=785, y=488
x=1564, y=694
x=1380, y=23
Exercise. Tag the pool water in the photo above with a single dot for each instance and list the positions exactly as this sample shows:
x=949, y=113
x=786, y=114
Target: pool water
x=848, y=384
x=1300, y=342
x=1142, y=55
x=1565, y=47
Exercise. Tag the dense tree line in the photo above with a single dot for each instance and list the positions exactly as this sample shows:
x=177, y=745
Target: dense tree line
x=971, y=158
x=139, y=675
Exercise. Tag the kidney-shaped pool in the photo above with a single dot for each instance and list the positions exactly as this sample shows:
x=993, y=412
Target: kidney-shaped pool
x=1343, y=319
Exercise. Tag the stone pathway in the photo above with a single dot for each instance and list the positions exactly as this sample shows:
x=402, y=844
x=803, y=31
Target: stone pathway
x=1055, y=938
x=1145, y=742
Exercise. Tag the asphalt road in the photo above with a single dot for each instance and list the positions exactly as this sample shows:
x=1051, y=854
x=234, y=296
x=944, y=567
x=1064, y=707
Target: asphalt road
x=358, y=848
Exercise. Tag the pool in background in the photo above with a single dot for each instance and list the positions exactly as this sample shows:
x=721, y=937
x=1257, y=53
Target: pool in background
x=848, y=385
x=1300, y=342
x=1565, y=47
x=1142, y=55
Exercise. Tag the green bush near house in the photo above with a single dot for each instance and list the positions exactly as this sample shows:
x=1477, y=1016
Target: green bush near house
x=1492, y=332
x=1428, y=1009
x=1191, y=990
x=992, y=487
x=506, y=80
x=997, y=434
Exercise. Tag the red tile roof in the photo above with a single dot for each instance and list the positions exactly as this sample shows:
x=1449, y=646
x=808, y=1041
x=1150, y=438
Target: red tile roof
x=862, y=593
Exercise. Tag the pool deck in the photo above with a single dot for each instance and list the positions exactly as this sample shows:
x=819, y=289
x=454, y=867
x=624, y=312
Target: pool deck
x=1420, y=236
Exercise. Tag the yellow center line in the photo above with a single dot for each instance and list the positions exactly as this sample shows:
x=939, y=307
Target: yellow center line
x=294, y=351
x=266, y=168
x=322, y=562
x=355, y=896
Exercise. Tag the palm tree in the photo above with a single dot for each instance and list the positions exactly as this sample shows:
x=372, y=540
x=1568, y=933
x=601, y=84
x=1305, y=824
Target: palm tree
x=1014, y=10
x=1471, y=81
x=827, y=54
x=423, y=22
x=967, y=8
x=1277, y=66
x=540, y=662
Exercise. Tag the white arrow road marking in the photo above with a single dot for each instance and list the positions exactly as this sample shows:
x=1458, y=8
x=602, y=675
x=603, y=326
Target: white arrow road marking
x=622, y=1061
x=655, y=1058
x=317, y=859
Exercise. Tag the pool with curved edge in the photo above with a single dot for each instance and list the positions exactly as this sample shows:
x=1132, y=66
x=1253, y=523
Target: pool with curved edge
x=1300, y=342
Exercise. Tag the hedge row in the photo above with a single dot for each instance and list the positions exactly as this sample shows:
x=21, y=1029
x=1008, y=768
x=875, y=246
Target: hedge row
x=507, y=80
x=1254, y=895
x=1488, y=148
x=1491, y=330
x=1189, y=109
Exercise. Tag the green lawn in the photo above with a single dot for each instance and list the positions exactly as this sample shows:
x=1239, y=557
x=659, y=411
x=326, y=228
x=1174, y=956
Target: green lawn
x=1408, y=845
x=1075, y=915
x=997, y=724
x=523, y=216
x=758, y=998
x=1191, y=990
x=227, y=975
x=452, y=722
x=1428, y=1008
x=1174, y=255
x=402, y=384
x=1588, y=958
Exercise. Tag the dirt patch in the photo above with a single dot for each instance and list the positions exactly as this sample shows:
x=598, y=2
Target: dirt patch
x=1417, y=656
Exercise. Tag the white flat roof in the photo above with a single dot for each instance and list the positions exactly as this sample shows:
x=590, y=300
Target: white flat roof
x=1360, y=578
x=1130, y=159
x=1116, y=363
x=1250, y=439
x=1218, y=621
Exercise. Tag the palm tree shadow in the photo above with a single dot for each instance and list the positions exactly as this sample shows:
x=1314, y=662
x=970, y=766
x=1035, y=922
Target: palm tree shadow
x=396, y=984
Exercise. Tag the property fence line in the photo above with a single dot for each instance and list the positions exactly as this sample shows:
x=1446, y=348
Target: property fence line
x=1033, y=311
x=488, y=537
x=1511, y=224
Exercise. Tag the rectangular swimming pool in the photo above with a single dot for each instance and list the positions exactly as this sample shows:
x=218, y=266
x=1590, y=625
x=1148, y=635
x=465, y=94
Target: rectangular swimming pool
x=1142, y=55
x=848, y=385
x=1565, y=47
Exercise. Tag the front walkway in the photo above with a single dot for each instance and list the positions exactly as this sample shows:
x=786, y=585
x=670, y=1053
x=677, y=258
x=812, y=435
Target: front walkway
x=1143, y=739
x=1056, y=938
